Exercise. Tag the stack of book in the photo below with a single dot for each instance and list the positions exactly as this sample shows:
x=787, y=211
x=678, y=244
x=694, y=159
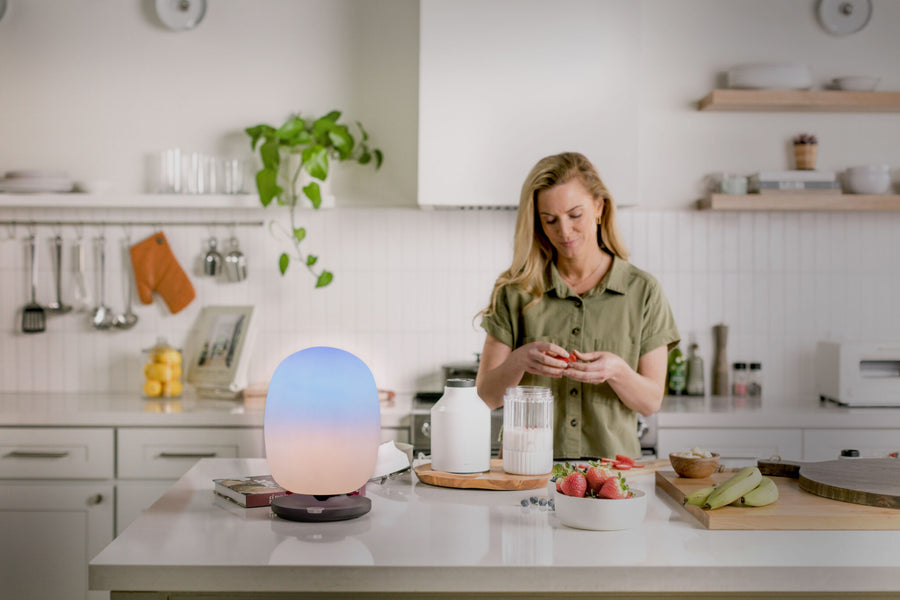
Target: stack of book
x=250, y=492
x=794, y=182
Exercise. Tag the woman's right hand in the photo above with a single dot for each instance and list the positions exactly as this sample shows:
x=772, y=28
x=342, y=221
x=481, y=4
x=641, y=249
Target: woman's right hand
x=542, y=358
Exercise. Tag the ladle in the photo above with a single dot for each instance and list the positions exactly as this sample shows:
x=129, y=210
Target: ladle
x=128, y=319
x=102, y=317
x=58, y=307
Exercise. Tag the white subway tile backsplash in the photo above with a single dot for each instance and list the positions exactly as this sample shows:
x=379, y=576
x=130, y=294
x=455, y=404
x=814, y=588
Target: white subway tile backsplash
x=408, y=284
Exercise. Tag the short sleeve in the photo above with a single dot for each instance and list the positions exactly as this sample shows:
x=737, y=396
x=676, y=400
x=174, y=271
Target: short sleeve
x=658, y=321
x=500, y=323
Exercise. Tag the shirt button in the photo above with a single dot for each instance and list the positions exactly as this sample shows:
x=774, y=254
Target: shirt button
x=576, y=331
x=578, y=304
x=574, y=422
x=573, y=392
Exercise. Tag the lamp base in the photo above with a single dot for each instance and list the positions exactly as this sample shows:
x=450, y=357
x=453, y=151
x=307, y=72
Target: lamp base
x=303, y=507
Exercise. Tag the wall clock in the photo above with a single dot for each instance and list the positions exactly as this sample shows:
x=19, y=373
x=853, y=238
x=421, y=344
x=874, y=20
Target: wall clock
x=181, y=15
x=843, y=17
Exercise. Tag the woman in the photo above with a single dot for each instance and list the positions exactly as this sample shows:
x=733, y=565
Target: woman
x=573, y=315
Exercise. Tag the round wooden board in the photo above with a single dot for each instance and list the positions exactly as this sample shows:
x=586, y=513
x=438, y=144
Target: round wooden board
x=495, y=479
x=869, y=481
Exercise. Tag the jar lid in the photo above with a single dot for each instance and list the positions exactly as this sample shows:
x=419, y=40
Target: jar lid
x=756, y=365
x=460, y=383
x=740, y=365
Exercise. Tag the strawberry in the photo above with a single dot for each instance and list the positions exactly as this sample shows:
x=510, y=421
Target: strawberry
x=596, y=476
x=622, y=466
x=615, y=488
x=559, y=485
x=624, y=459
x=608, y=460
x=574, y=485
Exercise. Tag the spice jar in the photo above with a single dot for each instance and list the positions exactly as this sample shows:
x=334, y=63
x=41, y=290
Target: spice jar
x=754, y=380
x=162, y=371
x=739, y=379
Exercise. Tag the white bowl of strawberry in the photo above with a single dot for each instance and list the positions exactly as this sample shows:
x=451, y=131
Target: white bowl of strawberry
x=596, y=496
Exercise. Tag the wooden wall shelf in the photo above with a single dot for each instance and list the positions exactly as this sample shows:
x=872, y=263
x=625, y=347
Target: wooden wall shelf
x=801, y=101
x=801, y=202
x=116, y=200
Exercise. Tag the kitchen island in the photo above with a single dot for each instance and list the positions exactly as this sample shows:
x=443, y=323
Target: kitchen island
x=419, y=540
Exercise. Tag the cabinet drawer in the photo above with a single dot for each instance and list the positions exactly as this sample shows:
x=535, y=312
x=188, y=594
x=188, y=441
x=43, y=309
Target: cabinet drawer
x=737, y=447
x=56, y=453
x=159, y=453
x=826, y=444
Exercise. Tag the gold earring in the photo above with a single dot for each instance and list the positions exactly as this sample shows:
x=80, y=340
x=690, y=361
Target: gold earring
x=599, y=220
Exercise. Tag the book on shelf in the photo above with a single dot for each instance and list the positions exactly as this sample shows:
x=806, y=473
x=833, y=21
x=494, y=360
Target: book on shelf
x=250, y=492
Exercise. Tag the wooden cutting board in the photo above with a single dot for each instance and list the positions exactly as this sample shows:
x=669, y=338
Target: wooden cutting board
x=869, y=481
x=795, y=509
x=497, y=479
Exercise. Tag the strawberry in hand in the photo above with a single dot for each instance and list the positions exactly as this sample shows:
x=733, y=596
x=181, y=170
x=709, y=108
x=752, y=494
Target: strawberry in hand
x=574, y=485
x=615, y=488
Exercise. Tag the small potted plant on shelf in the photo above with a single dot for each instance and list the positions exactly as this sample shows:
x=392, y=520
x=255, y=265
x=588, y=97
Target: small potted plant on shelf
x=296, y=158
x=805, y=149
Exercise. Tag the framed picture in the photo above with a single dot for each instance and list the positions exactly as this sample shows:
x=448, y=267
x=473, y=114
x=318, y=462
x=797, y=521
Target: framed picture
x=219, y=350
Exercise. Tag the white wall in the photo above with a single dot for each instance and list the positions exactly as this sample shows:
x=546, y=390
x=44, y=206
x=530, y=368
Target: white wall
x=95, y=87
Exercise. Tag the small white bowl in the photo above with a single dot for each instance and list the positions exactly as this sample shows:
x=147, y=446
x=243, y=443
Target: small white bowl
x=868, y=179
x=770, y=76
x=601, y=514
x=856, y=83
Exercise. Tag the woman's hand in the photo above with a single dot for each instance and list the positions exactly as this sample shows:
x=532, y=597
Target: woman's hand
x=542, y=358
x=596, y=367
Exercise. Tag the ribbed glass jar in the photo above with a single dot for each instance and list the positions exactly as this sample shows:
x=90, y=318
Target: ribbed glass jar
x=528, y=430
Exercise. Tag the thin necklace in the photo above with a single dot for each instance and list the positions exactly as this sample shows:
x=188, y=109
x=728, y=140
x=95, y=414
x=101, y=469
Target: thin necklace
x=575, y=283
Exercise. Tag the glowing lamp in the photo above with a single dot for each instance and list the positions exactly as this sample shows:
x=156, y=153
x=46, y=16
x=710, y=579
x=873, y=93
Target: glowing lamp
x=322, y=429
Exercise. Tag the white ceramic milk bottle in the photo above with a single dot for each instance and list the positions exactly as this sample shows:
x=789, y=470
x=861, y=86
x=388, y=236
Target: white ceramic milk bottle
x=460, y=430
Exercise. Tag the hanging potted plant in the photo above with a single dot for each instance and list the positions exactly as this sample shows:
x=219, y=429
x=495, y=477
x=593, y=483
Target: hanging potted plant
x=304, y=145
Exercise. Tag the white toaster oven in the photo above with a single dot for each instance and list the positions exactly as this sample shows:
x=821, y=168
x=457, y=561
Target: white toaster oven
x=859, y=373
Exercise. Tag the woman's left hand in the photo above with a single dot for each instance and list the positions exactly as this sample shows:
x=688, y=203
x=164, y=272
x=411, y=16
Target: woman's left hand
x=595, y=367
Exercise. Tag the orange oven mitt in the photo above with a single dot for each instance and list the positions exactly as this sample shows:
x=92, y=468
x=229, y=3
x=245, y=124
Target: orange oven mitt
x=157, y=270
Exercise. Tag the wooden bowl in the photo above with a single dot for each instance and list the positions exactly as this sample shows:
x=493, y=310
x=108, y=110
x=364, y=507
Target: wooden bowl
x=694, y=467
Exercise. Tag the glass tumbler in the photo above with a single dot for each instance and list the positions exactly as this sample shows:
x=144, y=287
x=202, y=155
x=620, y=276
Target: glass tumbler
x=528, y=430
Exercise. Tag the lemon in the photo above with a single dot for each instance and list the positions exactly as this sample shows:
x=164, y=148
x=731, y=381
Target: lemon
x=168, y=356
x=157, y=371
x=172, y=388
x=153, y=388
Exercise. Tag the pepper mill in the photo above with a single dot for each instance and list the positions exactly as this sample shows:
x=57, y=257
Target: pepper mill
x=720, y=372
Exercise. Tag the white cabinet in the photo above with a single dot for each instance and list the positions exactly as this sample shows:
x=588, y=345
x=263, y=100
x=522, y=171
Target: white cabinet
x=506, y=82
x=159, y=453
x=737, y=446
x=826, y=444
x=56, y=453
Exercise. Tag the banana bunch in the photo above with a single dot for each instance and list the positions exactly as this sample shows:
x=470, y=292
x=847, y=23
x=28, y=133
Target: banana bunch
x=747, y=487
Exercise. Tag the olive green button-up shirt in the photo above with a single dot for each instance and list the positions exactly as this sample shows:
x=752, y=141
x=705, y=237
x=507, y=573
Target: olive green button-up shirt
x=626, y=314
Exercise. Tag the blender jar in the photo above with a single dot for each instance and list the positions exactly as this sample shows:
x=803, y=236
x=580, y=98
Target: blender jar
x=528, y=430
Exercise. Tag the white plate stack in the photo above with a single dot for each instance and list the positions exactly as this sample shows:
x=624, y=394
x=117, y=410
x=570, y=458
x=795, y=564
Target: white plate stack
x=36, y=181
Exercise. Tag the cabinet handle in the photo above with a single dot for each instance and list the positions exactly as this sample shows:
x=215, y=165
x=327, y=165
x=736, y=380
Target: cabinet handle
x=187, y=455
x=95, y=499
x=38, y=454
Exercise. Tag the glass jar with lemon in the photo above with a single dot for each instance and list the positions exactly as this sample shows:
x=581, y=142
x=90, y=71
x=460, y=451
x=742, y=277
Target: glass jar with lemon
x=162, y=371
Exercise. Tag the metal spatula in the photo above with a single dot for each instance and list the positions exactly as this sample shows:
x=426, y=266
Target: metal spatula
x=34, y=318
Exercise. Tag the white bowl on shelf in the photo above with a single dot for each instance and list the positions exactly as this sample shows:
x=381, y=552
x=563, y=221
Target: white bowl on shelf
x=770, y=76
x=856, y=83
x=601, y=514
x=868, y=179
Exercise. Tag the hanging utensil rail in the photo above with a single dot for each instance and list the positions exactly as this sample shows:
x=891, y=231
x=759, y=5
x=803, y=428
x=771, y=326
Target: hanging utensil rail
x=149, y=223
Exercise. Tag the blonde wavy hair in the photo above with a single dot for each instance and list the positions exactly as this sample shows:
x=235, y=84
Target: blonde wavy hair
x=532, y=250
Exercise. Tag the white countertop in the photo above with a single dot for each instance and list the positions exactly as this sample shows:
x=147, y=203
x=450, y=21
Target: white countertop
x=732, y=411
x=419, y=538
x=131, y=410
